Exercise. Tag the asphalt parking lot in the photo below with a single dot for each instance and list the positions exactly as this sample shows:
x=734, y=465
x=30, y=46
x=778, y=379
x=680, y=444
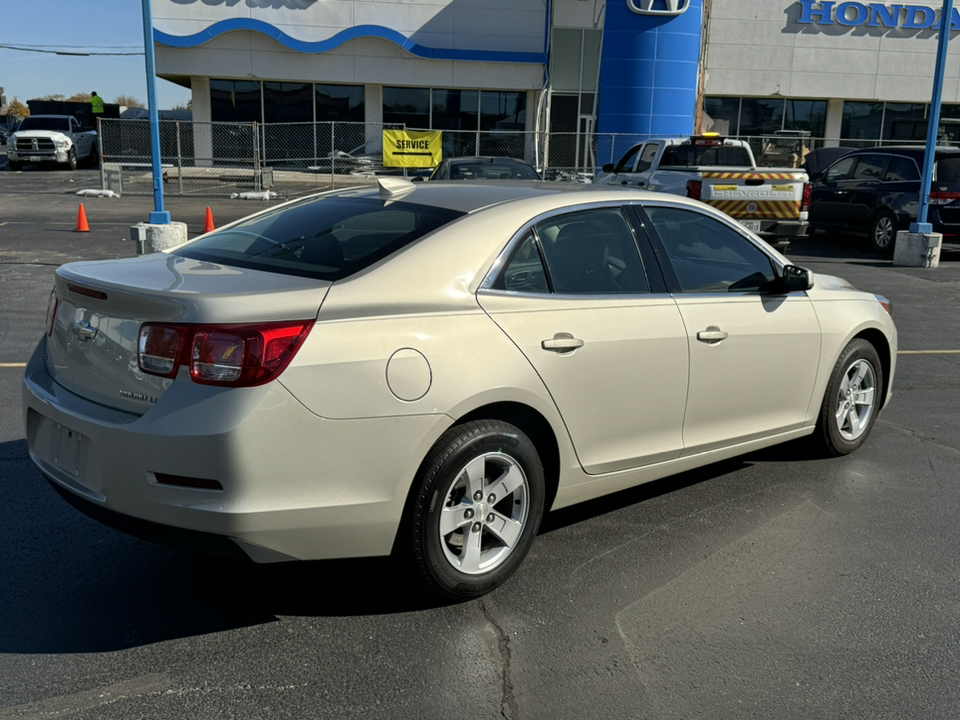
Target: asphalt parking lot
x=770, y=586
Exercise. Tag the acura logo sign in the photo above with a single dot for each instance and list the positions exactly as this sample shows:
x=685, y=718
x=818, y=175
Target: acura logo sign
x=658, y=7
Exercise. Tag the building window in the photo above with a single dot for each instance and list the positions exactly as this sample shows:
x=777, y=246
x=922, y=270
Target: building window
x=765, y=116
x=285, y=102
x=502, y=110
x=407, y=106
x=904, y=121
x=861, y=120
x=235, y=101
x=456, y=109
x=342, y=103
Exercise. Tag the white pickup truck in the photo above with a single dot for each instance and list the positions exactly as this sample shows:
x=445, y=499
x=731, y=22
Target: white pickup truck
x=51, y=138
x=772, y=202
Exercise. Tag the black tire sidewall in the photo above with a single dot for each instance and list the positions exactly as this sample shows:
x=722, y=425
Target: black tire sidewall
x=452, y=452
x=72, y=159
x=834, y=442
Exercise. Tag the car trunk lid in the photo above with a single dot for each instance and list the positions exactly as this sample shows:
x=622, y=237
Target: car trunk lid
x=92, y=348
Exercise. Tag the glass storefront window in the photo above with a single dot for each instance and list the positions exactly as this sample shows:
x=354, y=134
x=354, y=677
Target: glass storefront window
x=905, y=121
x=456, y=109
x=407, y=106
x=342, y=103
x=808, y=115
x=761, y=116
x=287, y=102
x=861, y=120
x=235, y=101
x=502, y=110
x=725, y=114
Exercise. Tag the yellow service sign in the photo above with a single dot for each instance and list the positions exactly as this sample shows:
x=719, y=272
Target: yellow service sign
x=411, y=148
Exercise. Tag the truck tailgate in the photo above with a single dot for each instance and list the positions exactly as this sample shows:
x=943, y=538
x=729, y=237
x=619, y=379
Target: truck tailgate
x=755, y=195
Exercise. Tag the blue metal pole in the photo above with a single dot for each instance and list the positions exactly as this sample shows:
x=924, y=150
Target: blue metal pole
x=160, y=216
x=933, y=127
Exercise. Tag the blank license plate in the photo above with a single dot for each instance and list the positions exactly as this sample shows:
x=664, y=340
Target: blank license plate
x=35, y=158
x=751, y=225
x=67, y=457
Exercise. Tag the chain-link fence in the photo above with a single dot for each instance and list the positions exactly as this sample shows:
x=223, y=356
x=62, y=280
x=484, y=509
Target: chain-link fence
x=292, y=159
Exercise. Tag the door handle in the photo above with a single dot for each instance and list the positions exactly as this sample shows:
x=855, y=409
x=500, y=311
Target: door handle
x=712, y=335
x=562, y=343
x=841, y=192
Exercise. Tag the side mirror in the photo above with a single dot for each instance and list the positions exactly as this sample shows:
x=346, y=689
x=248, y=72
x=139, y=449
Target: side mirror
x=794, y=278
x=816, y=177
x=417, y=178
x=608, y=168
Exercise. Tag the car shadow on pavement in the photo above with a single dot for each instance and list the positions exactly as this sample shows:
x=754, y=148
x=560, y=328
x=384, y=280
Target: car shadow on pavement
x=71, y=585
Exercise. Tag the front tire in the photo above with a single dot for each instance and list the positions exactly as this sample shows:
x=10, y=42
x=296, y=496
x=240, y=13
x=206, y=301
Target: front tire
x=478, y=504
x=72, y=159
x=852, y=400
x=883, y=232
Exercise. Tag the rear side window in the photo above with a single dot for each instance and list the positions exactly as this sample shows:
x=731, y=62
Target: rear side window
x=327, y=238
x=870, y=167
x=947, y=169
x=902, y=169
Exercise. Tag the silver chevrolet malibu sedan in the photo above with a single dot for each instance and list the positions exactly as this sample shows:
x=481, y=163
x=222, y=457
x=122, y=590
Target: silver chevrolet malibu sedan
x=422, y=370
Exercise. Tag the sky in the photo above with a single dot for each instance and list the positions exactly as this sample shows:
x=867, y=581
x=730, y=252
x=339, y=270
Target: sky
x=97, y=25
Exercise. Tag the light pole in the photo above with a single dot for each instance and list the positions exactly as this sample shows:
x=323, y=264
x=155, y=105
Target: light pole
x=921, y=226
x=159, y=216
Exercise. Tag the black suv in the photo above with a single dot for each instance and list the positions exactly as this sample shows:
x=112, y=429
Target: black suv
x=876, y=191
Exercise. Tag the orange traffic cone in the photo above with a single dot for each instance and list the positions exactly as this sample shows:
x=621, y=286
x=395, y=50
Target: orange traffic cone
x=82, y=225
x=208, y=225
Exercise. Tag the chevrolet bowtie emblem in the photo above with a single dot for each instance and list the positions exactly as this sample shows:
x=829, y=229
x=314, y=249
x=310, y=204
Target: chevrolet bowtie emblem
x=84, y=330
x=658, y=7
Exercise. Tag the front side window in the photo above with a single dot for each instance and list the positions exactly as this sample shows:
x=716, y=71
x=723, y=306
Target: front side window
x=840, y=170
x=327, y=238
x=646, y=157
x=709, y=256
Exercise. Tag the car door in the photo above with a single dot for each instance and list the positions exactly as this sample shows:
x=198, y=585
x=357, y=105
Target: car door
x=754, y=355
x=575, y=296
x=829, y=197
x=864, y=189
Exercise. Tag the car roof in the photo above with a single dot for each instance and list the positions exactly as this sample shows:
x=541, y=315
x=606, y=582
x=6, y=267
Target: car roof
x=468, y=196
x=917, y=150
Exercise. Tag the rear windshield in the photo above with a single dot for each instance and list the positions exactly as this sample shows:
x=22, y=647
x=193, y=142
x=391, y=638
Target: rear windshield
x=948, y=169
x=693, y=155
x=46, y=123
x=328, y=238
x=493, y=171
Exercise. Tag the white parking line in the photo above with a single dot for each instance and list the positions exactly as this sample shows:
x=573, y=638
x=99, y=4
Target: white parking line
x=928, y=352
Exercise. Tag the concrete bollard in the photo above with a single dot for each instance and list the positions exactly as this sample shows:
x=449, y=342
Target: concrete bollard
x=151, y=238
x=917, y=249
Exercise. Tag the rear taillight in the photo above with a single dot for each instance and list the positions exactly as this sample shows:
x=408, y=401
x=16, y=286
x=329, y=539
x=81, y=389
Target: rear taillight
x=694, y=189
x=807, y=194
x=943, y=198
x=52, y=304
x=236, y=355
x=160, y=348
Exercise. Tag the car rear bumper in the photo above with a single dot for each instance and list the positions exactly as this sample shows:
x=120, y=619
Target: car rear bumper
x=293, y=485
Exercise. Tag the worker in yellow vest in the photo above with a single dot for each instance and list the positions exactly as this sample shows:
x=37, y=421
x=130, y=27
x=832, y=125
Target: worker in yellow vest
x=96, y=104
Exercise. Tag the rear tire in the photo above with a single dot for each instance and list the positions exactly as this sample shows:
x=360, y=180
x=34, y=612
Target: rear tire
x=883, y=232
x=478, y=502
x=852, y=400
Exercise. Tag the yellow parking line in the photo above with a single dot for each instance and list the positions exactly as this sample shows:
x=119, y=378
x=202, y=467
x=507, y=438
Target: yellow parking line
x=928, y=352
x=12, y=365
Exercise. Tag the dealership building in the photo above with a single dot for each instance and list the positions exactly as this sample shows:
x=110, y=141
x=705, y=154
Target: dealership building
x=838, y=70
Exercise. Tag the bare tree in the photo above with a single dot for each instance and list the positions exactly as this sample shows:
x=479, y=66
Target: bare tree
x=127, y=100
x=17, y=109
x=79, y=97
